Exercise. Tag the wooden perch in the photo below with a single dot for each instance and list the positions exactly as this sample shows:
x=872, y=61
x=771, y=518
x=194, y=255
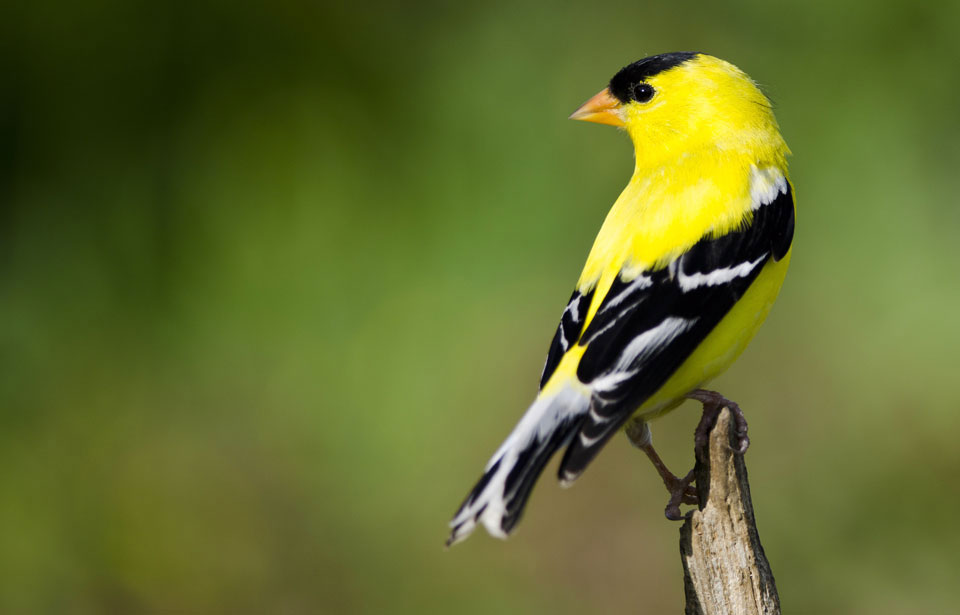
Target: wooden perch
x=725, y=571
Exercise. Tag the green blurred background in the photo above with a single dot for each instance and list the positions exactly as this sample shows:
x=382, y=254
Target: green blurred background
x=276, y=280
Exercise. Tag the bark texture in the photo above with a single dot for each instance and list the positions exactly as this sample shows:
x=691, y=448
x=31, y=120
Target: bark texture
x=725, y=571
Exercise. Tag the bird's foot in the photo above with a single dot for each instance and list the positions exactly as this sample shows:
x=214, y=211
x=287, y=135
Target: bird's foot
x=713, y=402
x=681, y=490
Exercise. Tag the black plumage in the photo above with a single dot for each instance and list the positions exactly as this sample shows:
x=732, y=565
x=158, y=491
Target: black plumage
x=670, y=294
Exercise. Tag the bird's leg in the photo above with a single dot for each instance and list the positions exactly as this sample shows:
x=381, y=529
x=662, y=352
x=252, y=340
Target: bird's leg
x=681, y=491
x=713, y=402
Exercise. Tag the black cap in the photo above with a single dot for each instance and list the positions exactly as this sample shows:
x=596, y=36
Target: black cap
x=622, y=83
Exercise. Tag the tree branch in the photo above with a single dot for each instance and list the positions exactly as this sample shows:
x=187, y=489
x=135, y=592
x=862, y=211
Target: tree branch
x=724, y=568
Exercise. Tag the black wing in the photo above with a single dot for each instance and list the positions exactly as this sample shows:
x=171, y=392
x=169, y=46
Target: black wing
x=568, y=332
x=647, y=326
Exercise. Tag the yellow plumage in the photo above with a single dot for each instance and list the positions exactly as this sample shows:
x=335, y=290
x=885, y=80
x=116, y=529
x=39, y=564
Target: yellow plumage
x=694, y=154
x=683, y=272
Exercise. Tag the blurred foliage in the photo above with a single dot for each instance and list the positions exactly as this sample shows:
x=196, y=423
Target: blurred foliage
x=275, y=280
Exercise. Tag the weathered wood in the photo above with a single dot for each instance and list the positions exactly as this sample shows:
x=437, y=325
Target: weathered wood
x=725, y=571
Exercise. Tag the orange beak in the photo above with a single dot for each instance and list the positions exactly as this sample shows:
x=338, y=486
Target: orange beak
x=603, y=109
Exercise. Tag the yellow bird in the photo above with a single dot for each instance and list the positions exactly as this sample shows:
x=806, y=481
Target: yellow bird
x=683, y=272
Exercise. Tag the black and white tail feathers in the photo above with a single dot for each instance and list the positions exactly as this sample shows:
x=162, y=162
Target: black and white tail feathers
x=498, y=499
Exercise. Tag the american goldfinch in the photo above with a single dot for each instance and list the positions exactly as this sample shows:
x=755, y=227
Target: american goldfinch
x=683, y=272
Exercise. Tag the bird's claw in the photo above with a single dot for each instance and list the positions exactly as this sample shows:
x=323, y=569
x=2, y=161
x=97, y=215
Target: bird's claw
x=713, y=402
x=681, y=492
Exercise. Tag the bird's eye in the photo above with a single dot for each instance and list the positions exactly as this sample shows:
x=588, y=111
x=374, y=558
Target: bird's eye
x=642, y=92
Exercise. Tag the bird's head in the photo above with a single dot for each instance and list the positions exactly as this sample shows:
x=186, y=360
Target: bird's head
x=676, y=103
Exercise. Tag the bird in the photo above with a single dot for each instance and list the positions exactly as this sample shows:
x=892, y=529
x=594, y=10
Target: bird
x=684, y=270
